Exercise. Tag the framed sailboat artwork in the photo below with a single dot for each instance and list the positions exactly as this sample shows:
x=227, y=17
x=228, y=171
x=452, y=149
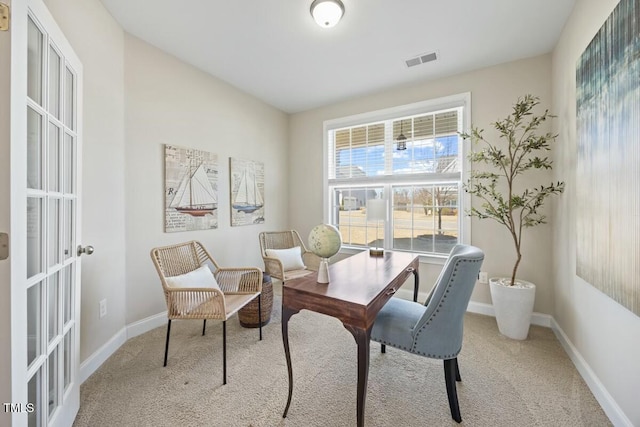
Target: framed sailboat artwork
x=247, y=191
x=191, y=189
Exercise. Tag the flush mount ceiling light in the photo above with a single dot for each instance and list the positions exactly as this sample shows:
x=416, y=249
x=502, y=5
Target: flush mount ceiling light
x=327, y=13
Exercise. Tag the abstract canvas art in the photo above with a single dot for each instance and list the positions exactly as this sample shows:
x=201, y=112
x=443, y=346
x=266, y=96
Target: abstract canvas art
x=608, y=158
x=247, y=191
x=191, y=189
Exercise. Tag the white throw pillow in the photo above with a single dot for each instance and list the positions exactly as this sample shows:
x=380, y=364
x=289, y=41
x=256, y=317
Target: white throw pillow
x=199, y=278
x=291, y=259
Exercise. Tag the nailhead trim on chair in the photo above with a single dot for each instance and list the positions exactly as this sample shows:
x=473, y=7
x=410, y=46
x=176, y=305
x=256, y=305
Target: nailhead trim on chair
x=394, y=345
x=435, y=356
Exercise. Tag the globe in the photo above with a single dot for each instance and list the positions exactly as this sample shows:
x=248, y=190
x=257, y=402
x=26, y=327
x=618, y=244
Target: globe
x=325, y=240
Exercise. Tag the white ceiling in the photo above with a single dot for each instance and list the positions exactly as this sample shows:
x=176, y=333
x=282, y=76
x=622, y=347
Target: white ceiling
x=274, y=50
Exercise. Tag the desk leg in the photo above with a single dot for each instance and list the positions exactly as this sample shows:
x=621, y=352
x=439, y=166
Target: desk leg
x=286, y=315
x=362, y=337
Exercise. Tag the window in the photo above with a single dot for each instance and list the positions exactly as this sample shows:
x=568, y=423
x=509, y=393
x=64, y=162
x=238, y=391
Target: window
x=422, y=183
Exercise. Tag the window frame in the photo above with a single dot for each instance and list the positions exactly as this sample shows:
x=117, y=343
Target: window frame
x=423, y=107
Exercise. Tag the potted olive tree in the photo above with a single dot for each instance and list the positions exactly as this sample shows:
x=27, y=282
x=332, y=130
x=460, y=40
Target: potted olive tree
x=502, y=197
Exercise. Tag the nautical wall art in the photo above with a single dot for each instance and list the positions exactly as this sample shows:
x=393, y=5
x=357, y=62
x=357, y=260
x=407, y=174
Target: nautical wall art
x=247, y=191
x=191, y=189
x=608, y=158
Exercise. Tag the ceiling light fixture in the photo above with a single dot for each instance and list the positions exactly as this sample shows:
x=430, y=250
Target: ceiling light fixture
x=327, y=13
x=402, y=140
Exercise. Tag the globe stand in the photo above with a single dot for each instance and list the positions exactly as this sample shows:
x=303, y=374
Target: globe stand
x=323, y=271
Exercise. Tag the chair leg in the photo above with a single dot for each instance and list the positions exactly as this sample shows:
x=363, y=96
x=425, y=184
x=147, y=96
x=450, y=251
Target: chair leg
x=260, y=314
x=449, y=378
x=383, y=348
x=166, y=345
x=224, y=352
x=458, y=378
x=204, y=326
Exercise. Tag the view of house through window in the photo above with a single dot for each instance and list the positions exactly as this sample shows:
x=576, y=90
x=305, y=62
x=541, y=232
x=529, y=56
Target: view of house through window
x=421, y=183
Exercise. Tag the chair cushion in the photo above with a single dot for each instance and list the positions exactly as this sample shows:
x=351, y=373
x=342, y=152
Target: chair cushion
x=199, y=278
x=395, y=322
x=291, y=258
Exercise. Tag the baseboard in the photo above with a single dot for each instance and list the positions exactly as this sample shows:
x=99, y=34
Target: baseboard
x=538, y=319
x=606, y=401
x=146, y=324
x=93, y=362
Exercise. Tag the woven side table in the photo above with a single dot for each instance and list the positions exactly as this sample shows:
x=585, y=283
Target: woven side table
x=248, y=315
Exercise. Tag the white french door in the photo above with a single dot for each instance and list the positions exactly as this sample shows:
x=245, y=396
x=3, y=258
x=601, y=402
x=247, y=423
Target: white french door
x=46, y=146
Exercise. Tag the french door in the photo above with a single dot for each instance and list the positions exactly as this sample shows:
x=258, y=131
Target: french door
x=46, y=146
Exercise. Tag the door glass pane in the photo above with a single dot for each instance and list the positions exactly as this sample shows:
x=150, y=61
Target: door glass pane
x=67, y=289
x=69, y=89
x=34, y=394
x=53, y=296
x=34, y=236
x=54, y=157
x=34, y=62
x=49, y=306
x=34, y=149
x=34, y=309
x=68, y=224
x=54, y=232
x=53, y=381
x=54, y=83
x=68, y=164
x=67, y=359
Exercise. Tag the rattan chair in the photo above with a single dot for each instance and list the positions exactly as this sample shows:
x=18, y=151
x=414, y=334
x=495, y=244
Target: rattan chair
x=237, y=288
x=286, y=240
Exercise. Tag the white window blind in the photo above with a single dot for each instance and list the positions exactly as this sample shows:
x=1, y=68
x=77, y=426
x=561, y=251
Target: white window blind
x=421, y=183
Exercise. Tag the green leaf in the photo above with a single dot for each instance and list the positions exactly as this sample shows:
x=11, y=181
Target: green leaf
x=517, y=149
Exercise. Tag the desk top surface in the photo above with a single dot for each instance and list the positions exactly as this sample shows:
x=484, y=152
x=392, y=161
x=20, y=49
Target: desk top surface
x=356, y=281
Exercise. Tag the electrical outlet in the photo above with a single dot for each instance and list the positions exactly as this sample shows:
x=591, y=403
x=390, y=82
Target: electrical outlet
x=103, y=308
x=483, y=277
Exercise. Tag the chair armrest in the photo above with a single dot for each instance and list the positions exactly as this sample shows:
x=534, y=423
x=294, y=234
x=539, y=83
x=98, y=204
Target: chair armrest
x=243, y=279
x=195, y=303
x=273, y=267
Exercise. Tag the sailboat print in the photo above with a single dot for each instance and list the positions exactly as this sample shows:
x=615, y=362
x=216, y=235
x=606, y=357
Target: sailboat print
x=195, y=195
x=248, y=199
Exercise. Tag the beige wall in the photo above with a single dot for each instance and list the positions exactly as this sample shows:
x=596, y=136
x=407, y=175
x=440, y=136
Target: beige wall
x=136, y=99
x=493, y=91
x=606, y=334
x=99, y=41
x=170, y=102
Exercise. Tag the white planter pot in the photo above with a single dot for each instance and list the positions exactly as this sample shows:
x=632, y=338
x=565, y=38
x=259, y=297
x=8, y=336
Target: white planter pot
x=513, y=306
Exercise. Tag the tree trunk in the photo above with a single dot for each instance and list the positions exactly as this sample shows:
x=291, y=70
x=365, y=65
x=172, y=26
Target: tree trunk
x=515, y=268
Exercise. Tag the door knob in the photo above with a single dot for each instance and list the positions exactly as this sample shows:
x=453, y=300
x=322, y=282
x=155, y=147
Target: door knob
x=85, y=250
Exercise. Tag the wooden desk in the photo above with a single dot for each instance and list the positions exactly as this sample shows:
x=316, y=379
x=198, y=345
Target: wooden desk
x=359, y=287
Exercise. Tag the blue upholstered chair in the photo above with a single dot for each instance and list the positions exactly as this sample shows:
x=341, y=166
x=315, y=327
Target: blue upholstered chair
x=435, y=329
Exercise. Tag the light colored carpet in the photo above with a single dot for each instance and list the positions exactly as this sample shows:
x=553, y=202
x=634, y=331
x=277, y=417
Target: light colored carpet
x=504, y=382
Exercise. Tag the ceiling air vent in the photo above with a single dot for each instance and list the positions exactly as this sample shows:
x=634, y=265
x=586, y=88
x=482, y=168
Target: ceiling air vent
x=413, y=61
x=421, y=59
